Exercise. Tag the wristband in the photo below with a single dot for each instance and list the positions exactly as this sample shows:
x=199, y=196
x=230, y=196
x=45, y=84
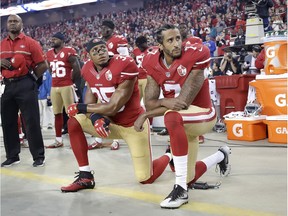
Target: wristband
x=94, y=117
x=82, y=108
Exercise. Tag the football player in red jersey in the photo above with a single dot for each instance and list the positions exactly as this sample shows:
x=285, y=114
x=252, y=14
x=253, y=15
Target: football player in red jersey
x=65, y=68
x=116, y=44
x=112, y=81
x=188, y=112
x=138, y=54
x=186, y=37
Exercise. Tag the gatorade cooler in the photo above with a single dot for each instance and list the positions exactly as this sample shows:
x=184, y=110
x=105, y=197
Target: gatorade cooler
x=277, y=128
x=271, y=93
x=233, y=92
x=275, y=55
x=246, y=128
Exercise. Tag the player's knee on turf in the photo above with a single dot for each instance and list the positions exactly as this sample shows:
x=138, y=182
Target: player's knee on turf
x=142, y=167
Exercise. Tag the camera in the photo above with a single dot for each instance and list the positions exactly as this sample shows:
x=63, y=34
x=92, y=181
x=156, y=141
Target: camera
x=242, y=53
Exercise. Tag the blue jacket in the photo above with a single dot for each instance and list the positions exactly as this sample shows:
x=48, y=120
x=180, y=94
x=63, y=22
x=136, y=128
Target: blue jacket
x=45, y=88
x=211, y=45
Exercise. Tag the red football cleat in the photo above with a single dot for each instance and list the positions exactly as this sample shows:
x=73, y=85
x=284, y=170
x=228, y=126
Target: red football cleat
x=85, y=180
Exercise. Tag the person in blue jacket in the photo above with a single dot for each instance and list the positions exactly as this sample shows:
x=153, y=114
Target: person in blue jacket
x=45, y=105
x=211, y=45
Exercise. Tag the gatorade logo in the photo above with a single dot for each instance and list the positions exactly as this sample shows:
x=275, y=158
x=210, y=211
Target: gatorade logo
x=237, y=130
x=270, y=52
x=280, y=130
x=280, y=100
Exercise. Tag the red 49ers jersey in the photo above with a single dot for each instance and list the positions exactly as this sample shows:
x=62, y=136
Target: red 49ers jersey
x=60, y=66
x=139, y=55
x=171, y=79
x=192, y=40
x=116, y=41
x=104, y=84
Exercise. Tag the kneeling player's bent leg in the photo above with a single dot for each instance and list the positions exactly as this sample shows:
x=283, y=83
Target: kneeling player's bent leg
x=85, y=178
x=139, y=146
x=78, y=142
x=179, y=145
x=146, y=171
x=159, y=165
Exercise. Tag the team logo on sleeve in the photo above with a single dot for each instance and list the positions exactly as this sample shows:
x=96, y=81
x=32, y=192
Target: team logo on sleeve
x=182, y=71
x=62, y=55
x=108, y=75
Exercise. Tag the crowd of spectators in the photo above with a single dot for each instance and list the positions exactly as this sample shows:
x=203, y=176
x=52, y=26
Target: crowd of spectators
x=218, y=19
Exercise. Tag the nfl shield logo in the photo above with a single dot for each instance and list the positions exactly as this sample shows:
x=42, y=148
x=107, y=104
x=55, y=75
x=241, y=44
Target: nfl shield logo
x=108, y=75
x=182, y=71
x=167, y=74
x=62, y=55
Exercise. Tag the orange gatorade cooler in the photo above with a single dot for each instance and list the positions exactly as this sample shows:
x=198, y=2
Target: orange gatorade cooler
x=271, y=93
x=246, y=128
x=275, y=55
x=277, y=128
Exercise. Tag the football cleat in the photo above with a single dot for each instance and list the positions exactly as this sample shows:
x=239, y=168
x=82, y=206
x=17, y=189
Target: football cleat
x=164, y=132
x=201, y=139
x=171, y=162
x=95, y=145
x=177, y=197
x=115, y=145
x=224, y=164
x=85, y=180
x=56, y=144
x=24, y=143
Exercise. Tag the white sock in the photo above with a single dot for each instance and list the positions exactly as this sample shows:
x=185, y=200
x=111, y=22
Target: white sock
x=213, y=159
x=180, y=164
x=85, y=168
x=99, y=140
x=169, y=155
x=59, y=139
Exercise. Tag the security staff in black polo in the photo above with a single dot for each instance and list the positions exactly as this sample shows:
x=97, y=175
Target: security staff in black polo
x=20, y=54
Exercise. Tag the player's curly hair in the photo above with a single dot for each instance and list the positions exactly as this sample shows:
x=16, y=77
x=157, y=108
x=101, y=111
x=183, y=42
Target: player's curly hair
x=159, y=35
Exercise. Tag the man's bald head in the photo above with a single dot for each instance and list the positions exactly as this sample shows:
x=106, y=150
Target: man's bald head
x=14, y=24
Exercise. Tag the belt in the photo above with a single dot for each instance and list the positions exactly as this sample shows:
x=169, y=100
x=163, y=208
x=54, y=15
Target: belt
x=15, y=79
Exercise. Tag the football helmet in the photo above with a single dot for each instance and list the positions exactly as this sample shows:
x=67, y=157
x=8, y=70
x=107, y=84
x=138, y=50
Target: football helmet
x=219, y=127
x=252, y=109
